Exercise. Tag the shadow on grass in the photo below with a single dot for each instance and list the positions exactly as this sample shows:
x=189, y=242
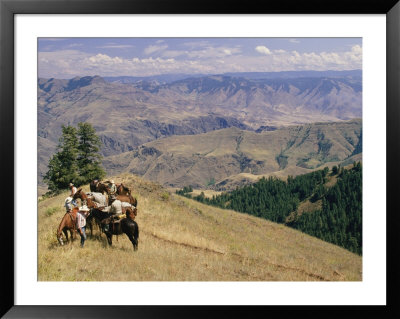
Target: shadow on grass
x=101, y=238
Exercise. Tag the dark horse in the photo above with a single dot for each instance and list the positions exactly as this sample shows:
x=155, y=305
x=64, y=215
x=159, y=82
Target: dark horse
x=126, y=225
x=67, y=224
x=98, y=187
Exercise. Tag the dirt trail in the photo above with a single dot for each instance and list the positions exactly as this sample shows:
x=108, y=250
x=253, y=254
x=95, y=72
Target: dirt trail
x=242, y=258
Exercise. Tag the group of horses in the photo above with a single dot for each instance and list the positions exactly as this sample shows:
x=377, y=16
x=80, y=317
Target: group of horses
x=100, y=215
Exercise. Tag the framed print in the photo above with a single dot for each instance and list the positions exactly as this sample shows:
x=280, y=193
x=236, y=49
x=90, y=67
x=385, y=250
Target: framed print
x=249, y=147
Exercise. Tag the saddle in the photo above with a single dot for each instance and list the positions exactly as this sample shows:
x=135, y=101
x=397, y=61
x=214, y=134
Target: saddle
x=111, y=223
x=112, y=220
x=72, y=218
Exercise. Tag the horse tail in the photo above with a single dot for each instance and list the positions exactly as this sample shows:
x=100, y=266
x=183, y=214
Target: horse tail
x=136, y=231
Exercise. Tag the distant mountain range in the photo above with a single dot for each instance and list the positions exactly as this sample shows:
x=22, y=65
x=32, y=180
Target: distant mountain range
x=168, y=78
x=226, y=158
x=129, y=112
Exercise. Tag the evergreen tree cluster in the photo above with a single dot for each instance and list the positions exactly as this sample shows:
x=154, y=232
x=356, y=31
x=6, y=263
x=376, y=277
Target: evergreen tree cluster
x=339, y=221
x=77, y=159
x=185, y=190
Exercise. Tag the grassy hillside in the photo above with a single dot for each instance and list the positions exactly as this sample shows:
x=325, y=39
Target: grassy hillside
x=183, y=240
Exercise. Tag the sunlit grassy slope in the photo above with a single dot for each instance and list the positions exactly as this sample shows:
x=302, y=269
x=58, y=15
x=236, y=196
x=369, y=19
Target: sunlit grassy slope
x=183, y=240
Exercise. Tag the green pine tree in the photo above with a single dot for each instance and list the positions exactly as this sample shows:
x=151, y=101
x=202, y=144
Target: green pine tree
x=62, y=166
x=53, y=175
x=88, y=157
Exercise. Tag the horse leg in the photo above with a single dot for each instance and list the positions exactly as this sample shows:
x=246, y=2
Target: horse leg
x=59, y=238
x=72, y=233
x=65, y=231
x=60, y=230
x=133, y=240
x=109, y=237
x=90, y=224
x=100, y=228
x=131, y=229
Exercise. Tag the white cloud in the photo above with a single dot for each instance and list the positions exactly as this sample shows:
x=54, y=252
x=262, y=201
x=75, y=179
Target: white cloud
x=61, y=64
x=263, y=50
x=100, y=59
x=212, y=52
x=208, y=52
x=66, y=64
x=356, y=49
x=154, y=48
x=173, y=53
x=294, y=41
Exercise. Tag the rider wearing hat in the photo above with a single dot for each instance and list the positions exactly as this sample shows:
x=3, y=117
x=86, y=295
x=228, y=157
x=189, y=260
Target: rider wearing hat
x=113, y=188
x=69, y=203
x=83, y=213
x=73, y=189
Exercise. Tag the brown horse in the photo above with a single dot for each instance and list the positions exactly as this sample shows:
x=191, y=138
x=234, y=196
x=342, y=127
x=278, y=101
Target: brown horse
x=123, y=190
x=124, y=198
x=99, y=187
x=84, y=198
x=67, y=224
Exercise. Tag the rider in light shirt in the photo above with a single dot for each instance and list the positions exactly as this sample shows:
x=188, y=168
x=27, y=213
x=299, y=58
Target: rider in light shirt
x=83, y=213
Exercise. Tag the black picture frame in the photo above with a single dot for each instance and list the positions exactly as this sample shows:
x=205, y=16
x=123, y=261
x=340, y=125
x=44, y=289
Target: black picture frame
x=8, y=10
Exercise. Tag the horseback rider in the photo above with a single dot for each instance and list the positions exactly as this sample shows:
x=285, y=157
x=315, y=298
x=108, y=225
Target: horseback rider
x=73, y=191
x=113, y=190
x=69, y=204
x=115, y=211
x=113, y=187
x=83, y=213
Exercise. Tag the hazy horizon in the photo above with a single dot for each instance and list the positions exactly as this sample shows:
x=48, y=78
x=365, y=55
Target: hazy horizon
x=184, y=75
x=107, y=57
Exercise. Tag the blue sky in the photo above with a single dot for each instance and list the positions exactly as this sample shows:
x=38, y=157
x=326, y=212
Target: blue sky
x=69, y=57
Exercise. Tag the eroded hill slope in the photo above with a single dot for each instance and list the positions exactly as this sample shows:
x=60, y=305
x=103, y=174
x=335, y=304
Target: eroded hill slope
x=216, y=159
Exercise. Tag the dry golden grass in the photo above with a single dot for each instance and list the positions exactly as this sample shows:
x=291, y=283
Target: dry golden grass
x=307, y=206
x=209, y=193
x=183, y=240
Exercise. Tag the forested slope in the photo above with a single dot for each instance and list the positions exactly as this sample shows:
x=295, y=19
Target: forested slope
x=334, y=200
